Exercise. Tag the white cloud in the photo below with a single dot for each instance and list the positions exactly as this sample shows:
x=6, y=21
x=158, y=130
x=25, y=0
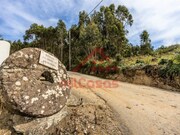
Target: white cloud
x=53, y=21
x=159, y=18
x=15, y=20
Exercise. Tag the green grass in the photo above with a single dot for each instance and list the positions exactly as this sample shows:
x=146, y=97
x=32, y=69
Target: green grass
x=168, y=54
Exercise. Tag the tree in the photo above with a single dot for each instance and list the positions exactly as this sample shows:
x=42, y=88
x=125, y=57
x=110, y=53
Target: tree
x=106, y=28
x=36, y=34
x=146, y=47
x=49, y=39
x=84, y=19
x=42, y=37
x=124, y=15
x=16, y=45
x=61, y=35
x=112, y=24
x=135, y=50
x=90, y=38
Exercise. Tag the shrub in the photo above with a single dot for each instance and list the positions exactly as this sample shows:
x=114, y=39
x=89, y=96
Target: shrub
x=177, y=58
x=118, y=57
x=163, y=50
x=170, y=63
x=170, y=71
x=163, y=62
x=139, y=61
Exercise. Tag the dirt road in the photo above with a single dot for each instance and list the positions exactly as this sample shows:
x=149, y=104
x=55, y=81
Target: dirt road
x=144, y=110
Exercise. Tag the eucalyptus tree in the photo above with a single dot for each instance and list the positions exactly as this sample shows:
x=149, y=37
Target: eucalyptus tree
x=61, y=35
x=112, y=23
x=146, y=47
x=90, y=38
x=36, y=35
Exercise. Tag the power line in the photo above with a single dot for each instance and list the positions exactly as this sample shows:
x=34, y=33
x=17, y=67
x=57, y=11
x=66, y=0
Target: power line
x=95, y=7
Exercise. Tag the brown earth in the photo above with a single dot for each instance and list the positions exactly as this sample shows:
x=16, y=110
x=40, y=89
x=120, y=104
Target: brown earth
x=110, y=108
x=149, y=76
x=144, y=110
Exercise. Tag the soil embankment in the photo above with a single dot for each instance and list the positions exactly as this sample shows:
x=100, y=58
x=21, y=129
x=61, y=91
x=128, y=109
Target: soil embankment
x=149, y=76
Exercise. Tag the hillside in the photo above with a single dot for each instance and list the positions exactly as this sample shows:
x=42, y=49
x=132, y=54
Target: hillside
x=160, y=69
x=167, y=53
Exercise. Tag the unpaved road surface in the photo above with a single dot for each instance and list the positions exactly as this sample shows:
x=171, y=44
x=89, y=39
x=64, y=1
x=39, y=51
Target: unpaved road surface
x=144, y=110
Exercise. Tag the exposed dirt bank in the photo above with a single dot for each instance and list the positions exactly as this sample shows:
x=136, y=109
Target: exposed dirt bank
x=149, y=76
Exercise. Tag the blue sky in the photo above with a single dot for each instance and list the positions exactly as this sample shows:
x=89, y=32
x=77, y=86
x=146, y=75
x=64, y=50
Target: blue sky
x=161, y=18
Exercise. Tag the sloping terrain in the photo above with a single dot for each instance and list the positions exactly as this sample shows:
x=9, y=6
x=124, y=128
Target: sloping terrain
x=120, y=108
x=144, y=110
x=169, y=53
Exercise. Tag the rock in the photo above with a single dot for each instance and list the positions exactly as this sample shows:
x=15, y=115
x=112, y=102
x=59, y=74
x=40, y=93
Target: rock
x=85, y=117
x=33, y=89
x=38, y=126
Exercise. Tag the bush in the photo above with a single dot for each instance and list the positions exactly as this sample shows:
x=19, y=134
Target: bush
x=118, y=57
x=177, y=58
x=100, y=68
x=139, y=62
x=163, y=49
x=163, y=61
x=170, y=71
x=170, y=62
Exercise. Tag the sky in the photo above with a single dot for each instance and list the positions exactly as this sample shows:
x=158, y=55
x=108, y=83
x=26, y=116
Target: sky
x=161, y=18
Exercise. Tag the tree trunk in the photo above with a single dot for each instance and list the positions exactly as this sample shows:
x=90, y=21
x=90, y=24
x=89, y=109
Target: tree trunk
x=69, y=50
x=62, y=48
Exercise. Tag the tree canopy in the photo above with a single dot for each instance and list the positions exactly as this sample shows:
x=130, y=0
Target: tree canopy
x=106, y=28
x=146, y=47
